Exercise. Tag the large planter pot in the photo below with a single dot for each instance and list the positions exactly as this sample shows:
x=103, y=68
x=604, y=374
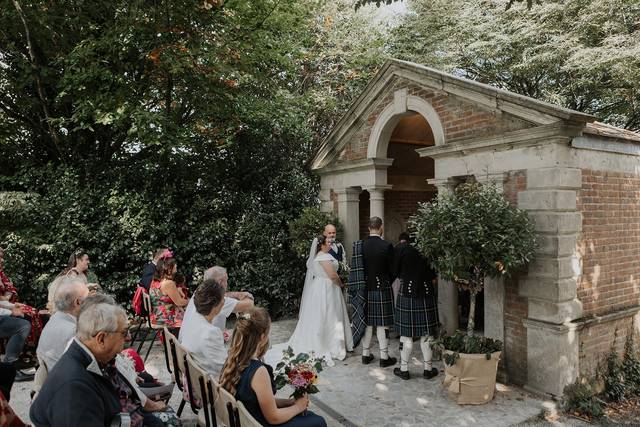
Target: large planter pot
x=472, y=379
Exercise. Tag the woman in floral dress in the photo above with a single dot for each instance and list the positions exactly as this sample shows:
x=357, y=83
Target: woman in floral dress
x=9, y=295
x=167, y=298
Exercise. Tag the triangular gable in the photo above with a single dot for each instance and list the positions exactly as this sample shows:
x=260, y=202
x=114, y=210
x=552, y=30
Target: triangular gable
x=520, y=107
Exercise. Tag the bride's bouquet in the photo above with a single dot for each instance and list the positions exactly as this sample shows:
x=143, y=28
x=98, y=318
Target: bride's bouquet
x=299, y=371
x=343, y=272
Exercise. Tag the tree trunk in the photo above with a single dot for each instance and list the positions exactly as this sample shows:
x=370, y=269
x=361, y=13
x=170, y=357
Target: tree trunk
x=472, y=312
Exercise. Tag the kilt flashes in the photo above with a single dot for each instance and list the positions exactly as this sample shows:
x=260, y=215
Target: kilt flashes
x=380, y=307
x=414, y=317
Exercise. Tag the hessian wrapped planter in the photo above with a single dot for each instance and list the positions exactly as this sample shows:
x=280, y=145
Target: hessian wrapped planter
x=472, y=380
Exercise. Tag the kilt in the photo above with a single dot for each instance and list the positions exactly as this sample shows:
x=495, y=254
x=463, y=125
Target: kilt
x=380, y=307
x=414, y=318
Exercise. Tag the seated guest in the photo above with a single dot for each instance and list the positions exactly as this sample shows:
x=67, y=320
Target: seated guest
x=234, y=302
x=200, y=337
x=77, y=391
x=9, y=299
x=167, y=299
x=78, y=266
x=61, y=328
x=150, y=269
x=16, y=328
x=251, y=381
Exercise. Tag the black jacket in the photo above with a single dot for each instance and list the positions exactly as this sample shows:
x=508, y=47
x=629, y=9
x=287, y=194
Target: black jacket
x=414, y=271
x=147, y=275
x=72, y=396
x=377, y=255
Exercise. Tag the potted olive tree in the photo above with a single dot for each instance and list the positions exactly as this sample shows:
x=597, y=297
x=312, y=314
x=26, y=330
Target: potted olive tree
x=469, y=235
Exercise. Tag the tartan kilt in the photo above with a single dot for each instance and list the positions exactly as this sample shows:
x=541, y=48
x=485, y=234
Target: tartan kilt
x=414, y=318
x=380, y=307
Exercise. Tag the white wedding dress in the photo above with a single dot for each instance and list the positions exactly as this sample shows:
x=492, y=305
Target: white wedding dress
x=323, y=322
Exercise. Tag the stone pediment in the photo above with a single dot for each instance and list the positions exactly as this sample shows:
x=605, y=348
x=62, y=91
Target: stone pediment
x=457, y=109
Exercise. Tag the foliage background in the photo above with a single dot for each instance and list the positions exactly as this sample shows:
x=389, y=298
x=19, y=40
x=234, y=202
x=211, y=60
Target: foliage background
x=125, y=125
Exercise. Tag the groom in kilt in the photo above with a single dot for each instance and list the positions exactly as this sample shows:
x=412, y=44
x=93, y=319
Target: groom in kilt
x=377, y=255
x=416, y=307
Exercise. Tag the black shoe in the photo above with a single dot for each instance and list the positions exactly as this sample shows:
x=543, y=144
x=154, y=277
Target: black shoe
x=367, y=359
x=21, y=376
x=400, y=373
x=430, y=374
x=388, y=362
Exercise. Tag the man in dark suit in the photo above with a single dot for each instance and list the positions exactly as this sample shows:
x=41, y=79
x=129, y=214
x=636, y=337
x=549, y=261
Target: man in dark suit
x=416, y=307
x=377, y=255
x=77, y=392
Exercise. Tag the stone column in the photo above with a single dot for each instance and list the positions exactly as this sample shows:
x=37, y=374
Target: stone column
x=552, y=280
x=349, y=215
x=447, y=291
x=494, y=294
x=376, y=200
x=326, y=204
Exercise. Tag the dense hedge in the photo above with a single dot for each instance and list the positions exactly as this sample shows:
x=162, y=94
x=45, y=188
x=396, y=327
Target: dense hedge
x=236, y=216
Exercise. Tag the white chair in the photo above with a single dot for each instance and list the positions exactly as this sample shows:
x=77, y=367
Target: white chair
x=245, y=418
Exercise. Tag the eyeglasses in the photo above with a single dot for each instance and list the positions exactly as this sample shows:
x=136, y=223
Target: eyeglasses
x=125, y=333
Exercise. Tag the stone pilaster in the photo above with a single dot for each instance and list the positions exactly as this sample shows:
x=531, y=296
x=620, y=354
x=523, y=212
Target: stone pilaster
x=447, y=291
x=349, y=215
x=552, y=280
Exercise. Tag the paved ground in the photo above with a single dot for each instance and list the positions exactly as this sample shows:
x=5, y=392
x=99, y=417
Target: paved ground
x=356, y=395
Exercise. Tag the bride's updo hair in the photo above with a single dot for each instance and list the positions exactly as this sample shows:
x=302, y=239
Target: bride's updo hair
x=251, y=326
x=321, y=241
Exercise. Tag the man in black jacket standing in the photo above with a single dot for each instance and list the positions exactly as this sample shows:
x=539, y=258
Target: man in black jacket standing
x=377, y=255
x=416, y=306
x=77, y=391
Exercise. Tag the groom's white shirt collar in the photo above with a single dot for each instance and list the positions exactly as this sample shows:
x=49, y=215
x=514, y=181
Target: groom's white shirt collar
x=375, y=235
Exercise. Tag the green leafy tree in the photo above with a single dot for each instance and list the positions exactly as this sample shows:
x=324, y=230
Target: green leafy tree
x=472, y=234
x=581, y=54
x=308, y=225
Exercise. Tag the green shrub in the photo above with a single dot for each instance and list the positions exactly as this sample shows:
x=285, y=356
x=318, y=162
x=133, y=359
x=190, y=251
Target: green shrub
x=460, y=342
x=631, y=366
x=581, y=397
x=614, y=387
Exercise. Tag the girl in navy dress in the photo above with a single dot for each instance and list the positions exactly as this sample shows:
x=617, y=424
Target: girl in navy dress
x=251, y=381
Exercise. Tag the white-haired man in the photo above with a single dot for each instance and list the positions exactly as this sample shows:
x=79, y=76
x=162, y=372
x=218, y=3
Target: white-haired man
x=61, y=328
x=77, y=392
x=234, y=302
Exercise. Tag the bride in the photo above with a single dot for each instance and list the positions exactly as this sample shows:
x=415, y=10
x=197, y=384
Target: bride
x=323, y=322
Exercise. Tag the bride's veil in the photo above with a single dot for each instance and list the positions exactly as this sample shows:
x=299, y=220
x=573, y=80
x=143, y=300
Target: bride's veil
x=309, y=276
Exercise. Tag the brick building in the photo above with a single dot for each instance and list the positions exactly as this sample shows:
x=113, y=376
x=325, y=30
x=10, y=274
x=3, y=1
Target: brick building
x=415, y=132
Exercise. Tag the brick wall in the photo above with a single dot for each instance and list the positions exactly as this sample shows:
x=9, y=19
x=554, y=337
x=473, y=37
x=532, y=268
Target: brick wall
x=610, y=241
x=597, y=340
x=610, y=250
x=516, y=308
x=460, y=119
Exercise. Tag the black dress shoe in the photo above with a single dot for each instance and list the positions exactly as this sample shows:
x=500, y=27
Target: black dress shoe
x=388, y=362
x=400, y=373
x=21, y=376
x=430, y=374
x=367, y=359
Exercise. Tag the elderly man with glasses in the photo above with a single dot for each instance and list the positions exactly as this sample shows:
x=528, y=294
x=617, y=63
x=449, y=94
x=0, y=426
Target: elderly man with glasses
x=78, y=390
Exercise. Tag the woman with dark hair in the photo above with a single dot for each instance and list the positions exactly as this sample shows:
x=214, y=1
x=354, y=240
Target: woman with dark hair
x=167, y=299
x=251, y=381
x=323, y=322
x=77, y=266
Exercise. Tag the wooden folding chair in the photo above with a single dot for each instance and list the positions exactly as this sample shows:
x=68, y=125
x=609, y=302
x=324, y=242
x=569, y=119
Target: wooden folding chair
x=153, y=327
x=199, y=393
x=245, y=418
x=225, y=407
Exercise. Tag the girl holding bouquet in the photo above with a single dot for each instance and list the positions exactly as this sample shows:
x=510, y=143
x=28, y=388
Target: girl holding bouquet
x=252, y=382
